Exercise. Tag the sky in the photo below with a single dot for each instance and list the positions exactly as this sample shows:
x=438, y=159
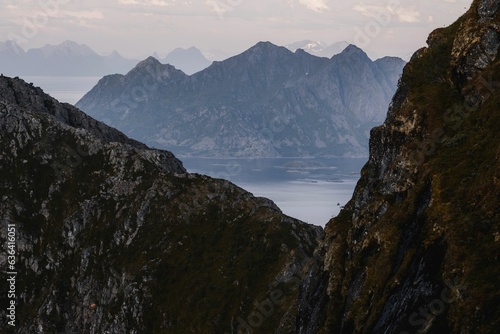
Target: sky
x=137, y=28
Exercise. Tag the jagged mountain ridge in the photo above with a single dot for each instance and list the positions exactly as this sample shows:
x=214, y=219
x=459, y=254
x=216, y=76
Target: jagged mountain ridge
x=66, y=59
x=112, y=236
x=189, y=60
x=318, y=48
x=72, y=59
x=264, y=102
x=416, y=250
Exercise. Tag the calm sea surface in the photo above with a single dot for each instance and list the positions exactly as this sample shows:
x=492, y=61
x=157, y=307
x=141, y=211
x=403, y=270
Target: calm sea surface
x=309, y=189
x=64, y=89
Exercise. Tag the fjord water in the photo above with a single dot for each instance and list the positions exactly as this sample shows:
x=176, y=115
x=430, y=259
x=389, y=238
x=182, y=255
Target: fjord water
x=64, y=89
x=310, y=189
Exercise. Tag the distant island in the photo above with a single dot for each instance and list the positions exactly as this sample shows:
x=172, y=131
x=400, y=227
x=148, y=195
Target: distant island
x=265, y=102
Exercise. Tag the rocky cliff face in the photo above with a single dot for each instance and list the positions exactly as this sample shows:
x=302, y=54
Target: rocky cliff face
x=110, y=236
x=265, y=102
x=417, y=248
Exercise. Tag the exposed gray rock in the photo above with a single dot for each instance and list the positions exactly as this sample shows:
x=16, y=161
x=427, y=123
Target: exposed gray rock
x=488, y=8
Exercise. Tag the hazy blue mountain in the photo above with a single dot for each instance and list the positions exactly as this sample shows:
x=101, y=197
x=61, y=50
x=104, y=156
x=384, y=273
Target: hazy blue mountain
x=10, y=52
x=72, y=59
x=318, y=48
x=267, y=102
x=66, y=59
x=216, y=54
x=189, y=60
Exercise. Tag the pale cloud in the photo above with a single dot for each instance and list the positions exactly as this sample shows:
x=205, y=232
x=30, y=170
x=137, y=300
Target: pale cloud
x=315, y=5
x=367, y=10
x=135, y=27
x=160, y=3
x=84, y=14
x=409, y=15
x=221, y=7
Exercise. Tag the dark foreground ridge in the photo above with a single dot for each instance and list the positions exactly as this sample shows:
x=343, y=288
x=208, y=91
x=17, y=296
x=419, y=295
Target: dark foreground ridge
x=109, y=236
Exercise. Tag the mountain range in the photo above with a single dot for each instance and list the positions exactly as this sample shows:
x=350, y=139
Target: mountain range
x=72, y=59
x=65, y=59
x=189, y=60
x=103, y=234
x=318, y=48
x=265, y=102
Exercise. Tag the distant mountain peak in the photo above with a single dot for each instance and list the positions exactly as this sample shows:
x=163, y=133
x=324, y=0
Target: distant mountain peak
x=152, y=66
x=149, y=60
x=265, y=47
x=72, y=44
x=191, y=49
x=11, y=46
x=189, y=60
x=67, y=49
x=318, y=48
x=353, y=51
x=266, y=44
x=114, y=55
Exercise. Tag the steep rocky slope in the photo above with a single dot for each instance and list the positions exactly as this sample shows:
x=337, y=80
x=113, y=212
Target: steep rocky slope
x=265, y=102
x=417, y=249
x=114, y=237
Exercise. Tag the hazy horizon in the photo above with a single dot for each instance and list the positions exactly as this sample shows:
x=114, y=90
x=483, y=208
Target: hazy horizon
x=138, y=28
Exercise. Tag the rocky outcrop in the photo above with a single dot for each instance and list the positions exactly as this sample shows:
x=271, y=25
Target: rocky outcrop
x=110, y=236
x=265, y=102
x=416, y=249
x=17, y=93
